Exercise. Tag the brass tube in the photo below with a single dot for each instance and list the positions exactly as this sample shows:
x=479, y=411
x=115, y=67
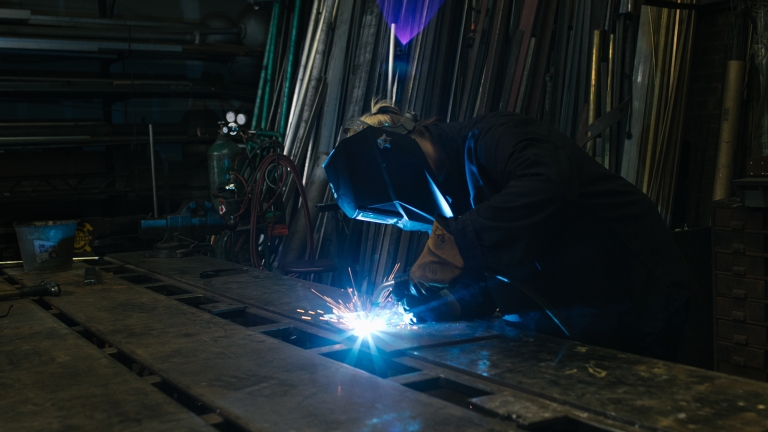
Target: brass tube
x=594, y=89
x=609, y=100
x=729, y=129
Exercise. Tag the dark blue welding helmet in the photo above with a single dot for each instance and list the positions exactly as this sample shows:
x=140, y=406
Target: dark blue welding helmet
x=380, y=174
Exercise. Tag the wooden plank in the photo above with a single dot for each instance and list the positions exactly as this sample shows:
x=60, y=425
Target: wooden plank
x=253, y=380
x=53, y=379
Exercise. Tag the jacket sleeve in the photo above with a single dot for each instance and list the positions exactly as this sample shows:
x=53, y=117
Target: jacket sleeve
x=531, y=185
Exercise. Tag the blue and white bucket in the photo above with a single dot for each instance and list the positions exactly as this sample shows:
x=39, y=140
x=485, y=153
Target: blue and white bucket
x=46, y=246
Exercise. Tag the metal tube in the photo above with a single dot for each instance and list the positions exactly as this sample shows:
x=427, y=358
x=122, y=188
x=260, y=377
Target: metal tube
x=594, y=88
x=390, y=96
x=297, y=92
x=456, y=63
x=152, y=162
x=118, y=33
x=270, y=64
x=609, y=154
x=262, y=79
x=289, y=73
x=314, y=72
x=729, y=130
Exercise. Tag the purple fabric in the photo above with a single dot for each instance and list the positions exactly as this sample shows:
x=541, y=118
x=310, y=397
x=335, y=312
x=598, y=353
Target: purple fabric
x=409, y=16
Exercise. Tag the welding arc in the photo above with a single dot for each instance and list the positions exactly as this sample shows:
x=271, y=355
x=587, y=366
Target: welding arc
x=258, y=210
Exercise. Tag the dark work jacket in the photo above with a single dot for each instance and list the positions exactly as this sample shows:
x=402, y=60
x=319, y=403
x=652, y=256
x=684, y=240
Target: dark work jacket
x=534, y=208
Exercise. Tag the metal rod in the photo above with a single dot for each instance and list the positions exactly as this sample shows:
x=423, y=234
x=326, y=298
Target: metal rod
x=297, y=120
x=390, y=96
x=270, y=65
x=289, y=73
x=262, y=80
x=594, y=89
x=152, y=162
x=456, y=63
x=73, y=259
x=303, y=62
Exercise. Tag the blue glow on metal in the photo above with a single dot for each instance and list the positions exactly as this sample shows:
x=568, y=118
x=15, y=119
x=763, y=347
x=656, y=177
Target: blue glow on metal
x=409, y=16
x=440, y=199
x=513, y=318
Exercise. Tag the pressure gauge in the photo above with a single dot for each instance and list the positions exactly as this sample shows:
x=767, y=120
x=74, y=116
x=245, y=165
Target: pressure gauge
x=231, y=116
x=241, y=119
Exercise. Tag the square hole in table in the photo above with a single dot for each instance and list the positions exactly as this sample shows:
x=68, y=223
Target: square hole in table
x=139, y=279
x=197, y=301
x=373, y=364
x=167, y=289
x=299, y=338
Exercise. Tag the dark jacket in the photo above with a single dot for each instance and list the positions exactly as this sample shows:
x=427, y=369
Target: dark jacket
x=536, y=209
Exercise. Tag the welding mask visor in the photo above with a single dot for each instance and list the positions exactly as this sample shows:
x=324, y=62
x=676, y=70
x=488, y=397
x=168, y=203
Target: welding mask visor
x=378, y=175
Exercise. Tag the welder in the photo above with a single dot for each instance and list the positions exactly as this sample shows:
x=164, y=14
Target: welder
x=522, y=220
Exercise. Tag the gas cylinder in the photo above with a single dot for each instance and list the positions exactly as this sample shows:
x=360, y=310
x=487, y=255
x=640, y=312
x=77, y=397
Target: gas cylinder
x=222, y=157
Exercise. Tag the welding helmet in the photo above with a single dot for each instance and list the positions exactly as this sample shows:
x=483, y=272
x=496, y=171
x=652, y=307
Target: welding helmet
x=380, y=174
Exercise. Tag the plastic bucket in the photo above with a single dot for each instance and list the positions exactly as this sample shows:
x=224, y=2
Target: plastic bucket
x=46, y=246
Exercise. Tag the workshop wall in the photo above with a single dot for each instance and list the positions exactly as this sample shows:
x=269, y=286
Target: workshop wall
x=74, y=120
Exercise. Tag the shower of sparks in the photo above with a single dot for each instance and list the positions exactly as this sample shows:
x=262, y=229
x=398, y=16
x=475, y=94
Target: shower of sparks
x=362, y=316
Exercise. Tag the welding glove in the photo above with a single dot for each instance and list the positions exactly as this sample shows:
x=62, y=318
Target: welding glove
x=439, y=265
x=468, y=298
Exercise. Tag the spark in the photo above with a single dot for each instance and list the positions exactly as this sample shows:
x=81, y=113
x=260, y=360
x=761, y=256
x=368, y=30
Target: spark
x=299, y=310
x=306, y=318
x=362, y=316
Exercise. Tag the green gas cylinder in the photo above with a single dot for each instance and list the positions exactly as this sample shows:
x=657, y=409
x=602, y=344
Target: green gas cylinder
x=222, y=157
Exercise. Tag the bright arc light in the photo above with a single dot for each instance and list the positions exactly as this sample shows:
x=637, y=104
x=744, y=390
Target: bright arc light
x=364, y=326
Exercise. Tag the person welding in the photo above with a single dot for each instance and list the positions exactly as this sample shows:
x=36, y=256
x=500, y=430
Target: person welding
x=522, y=220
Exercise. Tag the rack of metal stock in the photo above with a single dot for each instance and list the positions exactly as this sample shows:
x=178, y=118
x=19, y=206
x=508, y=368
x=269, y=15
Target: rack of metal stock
x=570, y=63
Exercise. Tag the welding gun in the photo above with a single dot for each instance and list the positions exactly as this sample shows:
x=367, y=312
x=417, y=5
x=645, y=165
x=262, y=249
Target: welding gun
x=468, y=298
x=44, y=288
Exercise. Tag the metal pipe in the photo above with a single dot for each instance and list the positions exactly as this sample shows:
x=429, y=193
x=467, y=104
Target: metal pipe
x=594, y=87
x=301, y=73
x=729, y=130
x=152, y=162
x=390, y=96
x=289, y=73
x=262, y=77
x=153, y=34
x=270, y=65
x=609, y=154
x=314, y=69
x=456, y=64
x=73, y=259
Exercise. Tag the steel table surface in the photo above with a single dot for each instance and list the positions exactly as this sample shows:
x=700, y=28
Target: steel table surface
x=255, y=381
x=51, y=379
x=284, y=296
x=629, y=389
x=652, y=394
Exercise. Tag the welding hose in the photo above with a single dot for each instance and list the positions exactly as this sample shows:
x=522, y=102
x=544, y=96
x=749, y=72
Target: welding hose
x=287, y=164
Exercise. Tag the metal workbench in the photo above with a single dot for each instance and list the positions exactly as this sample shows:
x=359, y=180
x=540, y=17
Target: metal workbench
x=155, y=347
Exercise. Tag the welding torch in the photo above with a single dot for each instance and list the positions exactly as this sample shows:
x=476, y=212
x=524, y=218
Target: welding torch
x=397, y=287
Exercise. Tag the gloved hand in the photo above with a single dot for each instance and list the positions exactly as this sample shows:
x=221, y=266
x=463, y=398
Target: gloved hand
x=427, y=296
x=438, y=266
x=433, y=308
